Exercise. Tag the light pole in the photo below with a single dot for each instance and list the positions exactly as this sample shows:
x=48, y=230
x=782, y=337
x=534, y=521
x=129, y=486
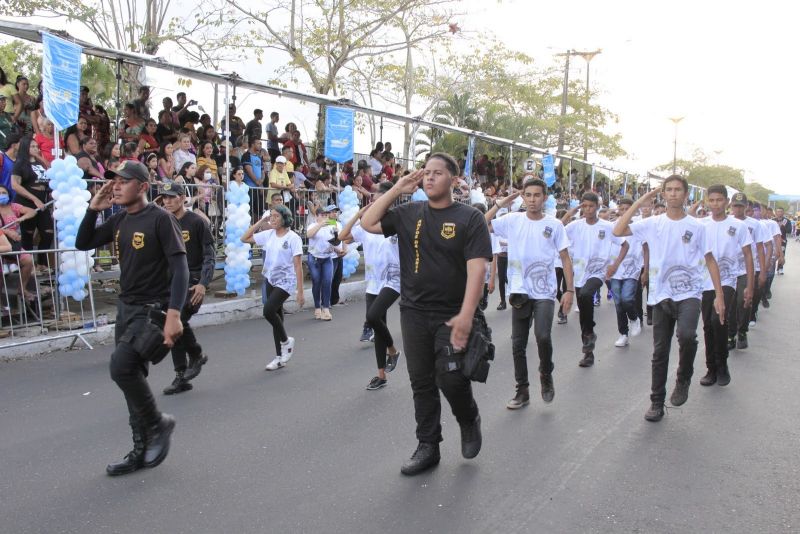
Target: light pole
x=563, y=101
x=588, y=56
x=675, y=121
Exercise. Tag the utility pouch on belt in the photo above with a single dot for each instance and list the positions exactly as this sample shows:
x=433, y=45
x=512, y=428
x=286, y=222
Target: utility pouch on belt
x=148, y=337
x=479, y=351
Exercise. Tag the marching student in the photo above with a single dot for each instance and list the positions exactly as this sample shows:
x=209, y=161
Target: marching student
x=624, y=284
x=200, y=254
x=283, y=274
x=591, y=241
x=678, y=247
x=777, y=260
x=382, y=274
x=739, y=323
x=729, y=241
x=535, y=240
x=499, y=274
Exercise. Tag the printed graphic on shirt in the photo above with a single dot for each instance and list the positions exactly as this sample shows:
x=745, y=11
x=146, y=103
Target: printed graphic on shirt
x=448, y=230
x=138, y=240
x=186, y=235
x=538, y=276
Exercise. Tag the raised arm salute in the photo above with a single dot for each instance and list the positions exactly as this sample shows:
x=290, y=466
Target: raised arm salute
x=153, y=278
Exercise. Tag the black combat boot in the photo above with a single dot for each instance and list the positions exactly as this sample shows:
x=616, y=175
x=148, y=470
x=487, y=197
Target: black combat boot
x=425, y=457
x=157, y=440
x=134, y=460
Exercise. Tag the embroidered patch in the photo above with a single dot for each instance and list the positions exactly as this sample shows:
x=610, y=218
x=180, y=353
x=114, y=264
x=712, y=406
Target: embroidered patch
x=601, y=234
x=448, y=230
x=731, y=231
x=548, y=232
x=285, y=245
x=138, y=240
x=687, y=237
x=185, y=234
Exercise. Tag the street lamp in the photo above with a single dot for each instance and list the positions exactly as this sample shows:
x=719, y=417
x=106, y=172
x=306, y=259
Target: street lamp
x=675, y=121
x=588, y=56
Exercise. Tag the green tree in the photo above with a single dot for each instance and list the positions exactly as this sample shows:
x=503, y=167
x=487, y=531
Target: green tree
x=756, y=191
x=701, y=172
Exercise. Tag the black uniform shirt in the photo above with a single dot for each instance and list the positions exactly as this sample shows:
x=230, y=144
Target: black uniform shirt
x=144, y=241
x=199, y=246
x=435, y=245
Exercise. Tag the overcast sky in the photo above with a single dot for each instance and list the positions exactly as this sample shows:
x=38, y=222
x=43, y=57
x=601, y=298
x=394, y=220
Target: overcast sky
x=727, y=67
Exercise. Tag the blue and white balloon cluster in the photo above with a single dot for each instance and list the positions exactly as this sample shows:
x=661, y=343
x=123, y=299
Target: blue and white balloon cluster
x=550, y=206
x=71, y=200
x=237, y=254
x=348, y=204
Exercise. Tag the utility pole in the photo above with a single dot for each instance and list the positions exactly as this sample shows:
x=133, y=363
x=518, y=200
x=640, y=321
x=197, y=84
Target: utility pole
x=588, y=56
x=563, y=101
x=675, y=121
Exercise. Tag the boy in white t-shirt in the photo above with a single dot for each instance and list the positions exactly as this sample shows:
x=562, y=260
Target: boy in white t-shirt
x=591, y=247
x=729, y=240
x=678, y=250
x=534, y=240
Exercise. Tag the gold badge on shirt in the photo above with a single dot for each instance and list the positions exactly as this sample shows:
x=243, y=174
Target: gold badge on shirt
x=448, y=230
x=185, y=234
x=138, y=240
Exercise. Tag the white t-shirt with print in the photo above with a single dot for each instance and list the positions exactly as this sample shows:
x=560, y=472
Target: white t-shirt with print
x=279, y=253
x=631, y=266
x=533, y=247
x=319, y=245
x=381, y=260
x=677, y=256
x=772, y=230
x=759, y=235
x=726, y=238
x=591, y=249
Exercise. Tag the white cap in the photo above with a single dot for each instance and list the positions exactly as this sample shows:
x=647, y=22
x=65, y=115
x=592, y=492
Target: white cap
x=280, y=159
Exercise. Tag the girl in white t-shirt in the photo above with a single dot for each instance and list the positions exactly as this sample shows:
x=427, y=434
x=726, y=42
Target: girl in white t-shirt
x=382, y=273
x=283, y=274
x=321, y=252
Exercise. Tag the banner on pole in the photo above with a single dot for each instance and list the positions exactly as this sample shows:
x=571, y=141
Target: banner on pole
x=549, y=174
x=470, y=157
x=61, y=80
x=339, y=134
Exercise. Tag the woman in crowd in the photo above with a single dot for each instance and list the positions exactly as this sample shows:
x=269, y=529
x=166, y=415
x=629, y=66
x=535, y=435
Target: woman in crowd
x=208, y=133
x=24, y=104
x=129, y=152
x=110, y=155
x=46, y=141
x=8, y=90
x=74, y=135
x=187, y=173
x=132, y=125
x=31, y=186
x=147, y=141
x=13, y=214
x=364, y=196
x=103, y=125
x=183, y=151
x=206, y=156
x=166, y=162
x=283, y=274
x=87, y=160
x=238, y=175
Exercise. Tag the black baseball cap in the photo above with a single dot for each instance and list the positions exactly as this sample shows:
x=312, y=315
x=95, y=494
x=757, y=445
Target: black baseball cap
x=172, y=189
x=739, y=199
x=129, y=170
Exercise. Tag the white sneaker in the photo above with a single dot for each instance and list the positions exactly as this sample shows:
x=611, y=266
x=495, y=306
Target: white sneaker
x=274, y=364
x=635, y=327
x=622, y=341
x=752, y=324
x=287, y=350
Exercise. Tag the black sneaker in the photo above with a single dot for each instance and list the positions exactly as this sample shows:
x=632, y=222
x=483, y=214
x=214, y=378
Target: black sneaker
x=501, y=306
x=179, y=385
x=710, y=379
x=655, y=413
x=765, y=302
x=425, y=457
x=741, y=344
x=562, y=319
x=731, y=342
x=521, y=398
x=681, y=393
x=723, y=375
x=588, y=342
x=195, y=366
x=587, y=360
x=548, y=391
x=365, y=334
x=376, y=383
x=471, y=438
x=391, y=361
x=158, y=440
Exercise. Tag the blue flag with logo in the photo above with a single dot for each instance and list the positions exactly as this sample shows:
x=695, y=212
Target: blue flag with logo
x=470, y=157
x=339, y=133
x=548, y=164
x=61, y=80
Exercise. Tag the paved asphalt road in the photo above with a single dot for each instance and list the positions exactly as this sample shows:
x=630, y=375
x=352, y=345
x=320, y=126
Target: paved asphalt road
x=307, y=449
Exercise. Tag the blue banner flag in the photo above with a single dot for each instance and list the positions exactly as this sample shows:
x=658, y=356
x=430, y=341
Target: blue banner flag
x=549, y=175
x=339, y=133
x=61, y=80
x=470, y=157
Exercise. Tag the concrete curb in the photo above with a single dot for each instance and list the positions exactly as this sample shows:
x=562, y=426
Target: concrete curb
x=216, y=313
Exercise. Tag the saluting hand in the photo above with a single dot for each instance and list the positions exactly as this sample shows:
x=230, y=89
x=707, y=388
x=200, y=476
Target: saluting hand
x=506, y=201
x=410, y=182
x=102, y=198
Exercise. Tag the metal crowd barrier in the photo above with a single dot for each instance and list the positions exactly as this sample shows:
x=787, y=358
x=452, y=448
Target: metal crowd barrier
x=31, y=309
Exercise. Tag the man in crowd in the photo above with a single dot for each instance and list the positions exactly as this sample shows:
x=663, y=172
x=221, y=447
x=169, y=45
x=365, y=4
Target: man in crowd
x=200, y=254
x=625, y=286
x=444, y=251
x=272, y=136
x=253, y=167
x=678, y=249
x=535, y=240
x=253, y=129
x=785, y=226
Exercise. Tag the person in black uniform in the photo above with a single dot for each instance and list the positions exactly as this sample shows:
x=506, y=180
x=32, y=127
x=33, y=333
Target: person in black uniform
x=200, y=257
x=154, y=277
x=444, y=251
